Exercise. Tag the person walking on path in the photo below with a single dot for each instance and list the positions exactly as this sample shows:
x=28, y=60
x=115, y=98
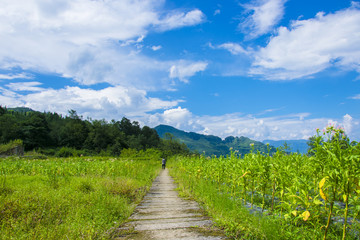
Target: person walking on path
x=163, y=163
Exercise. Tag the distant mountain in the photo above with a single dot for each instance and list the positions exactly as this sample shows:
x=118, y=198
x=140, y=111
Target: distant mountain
x=210, y=144
x=295, y=145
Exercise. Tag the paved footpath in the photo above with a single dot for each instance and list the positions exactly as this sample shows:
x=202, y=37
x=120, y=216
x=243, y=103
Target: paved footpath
x=164, y=215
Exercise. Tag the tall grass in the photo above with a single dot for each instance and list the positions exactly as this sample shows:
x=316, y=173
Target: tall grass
x=73, y=198
x=227, y=212
x=284, y=196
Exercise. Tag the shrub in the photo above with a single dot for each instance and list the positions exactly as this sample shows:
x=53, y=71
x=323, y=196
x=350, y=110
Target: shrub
x=67, y=152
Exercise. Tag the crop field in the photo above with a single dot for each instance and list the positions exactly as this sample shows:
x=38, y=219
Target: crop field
x=283, y=196
x=70, y=198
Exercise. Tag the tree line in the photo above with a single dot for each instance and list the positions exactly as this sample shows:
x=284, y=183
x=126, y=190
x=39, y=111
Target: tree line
x=49, y=132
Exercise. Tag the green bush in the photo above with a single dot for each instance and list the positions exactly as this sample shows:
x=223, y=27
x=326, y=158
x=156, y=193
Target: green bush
x=4, y=148
x=48, y=151
x=67, y=152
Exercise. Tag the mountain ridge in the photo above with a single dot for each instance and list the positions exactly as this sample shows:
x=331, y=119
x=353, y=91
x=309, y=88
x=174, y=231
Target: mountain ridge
x=213, y=145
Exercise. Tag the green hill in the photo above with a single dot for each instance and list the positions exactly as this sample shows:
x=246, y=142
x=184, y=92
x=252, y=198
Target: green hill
x=210, y=144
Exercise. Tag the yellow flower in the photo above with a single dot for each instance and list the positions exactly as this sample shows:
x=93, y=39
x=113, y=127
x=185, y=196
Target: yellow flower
x=322, y=193
x=305, y=215
x=322, y=182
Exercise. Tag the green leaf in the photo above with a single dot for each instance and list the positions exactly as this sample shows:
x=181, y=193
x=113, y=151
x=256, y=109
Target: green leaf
x=317, y=202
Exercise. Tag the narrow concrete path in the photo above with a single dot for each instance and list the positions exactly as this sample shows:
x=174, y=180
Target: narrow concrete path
x=164, y=215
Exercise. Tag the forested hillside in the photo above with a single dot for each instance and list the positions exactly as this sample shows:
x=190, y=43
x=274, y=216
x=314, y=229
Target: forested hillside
x=212, y=145
x=50, y=132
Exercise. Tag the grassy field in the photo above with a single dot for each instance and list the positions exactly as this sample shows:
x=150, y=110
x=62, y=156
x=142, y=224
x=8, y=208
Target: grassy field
x=71, y=198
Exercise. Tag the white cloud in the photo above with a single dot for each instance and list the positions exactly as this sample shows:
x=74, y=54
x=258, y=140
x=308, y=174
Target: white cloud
x=264, y=15
x=233, y=48
x=347, y=122
x=180, y=19
x=310, y=46
x=108, y=103
x=177, y=116
x=15, y=76
x=25, y=86
x=9, y=98
x=185, y=69
x=81, y=21
x=217, y=12
x=117, y=66
x=103, y=37
x=156, y=48
x=136, y=42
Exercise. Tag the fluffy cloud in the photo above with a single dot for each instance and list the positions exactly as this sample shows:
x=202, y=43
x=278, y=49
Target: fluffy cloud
x=264, y=15
x=178, y=117
x=117, y=66
x=80, y=38
x=180, y=19
x=80, y=21
x=109, y=103
x=310, y=46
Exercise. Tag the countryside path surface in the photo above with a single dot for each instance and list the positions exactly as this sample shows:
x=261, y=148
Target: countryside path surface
x=164, y=215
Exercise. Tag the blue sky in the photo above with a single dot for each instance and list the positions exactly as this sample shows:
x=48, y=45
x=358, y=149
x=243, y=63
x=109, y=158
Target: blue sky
x=264, y=69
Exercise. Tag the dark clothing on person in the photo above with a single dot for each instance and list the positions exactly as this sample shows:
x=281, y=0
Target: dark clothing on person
x=163, y=163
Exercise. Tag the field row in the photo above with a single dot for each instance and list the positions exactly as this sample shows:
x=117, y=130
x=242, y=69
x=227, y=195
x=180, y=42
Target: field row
x=318, y=194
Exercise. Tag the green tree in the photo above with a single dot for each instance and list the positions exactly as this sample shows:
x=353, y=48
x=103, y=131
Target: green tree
x=171, y=146
x=9, y=128
x=2, y=111
x=100, y=136
x=149, y=138
x=74, y=133
x=36, y=132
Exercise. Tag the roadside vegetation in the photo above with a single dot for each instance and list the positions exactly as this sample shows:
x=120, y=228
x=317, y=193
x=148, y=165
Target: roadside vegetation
x=71, y=198
x=280, y=196
x=76, y=179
